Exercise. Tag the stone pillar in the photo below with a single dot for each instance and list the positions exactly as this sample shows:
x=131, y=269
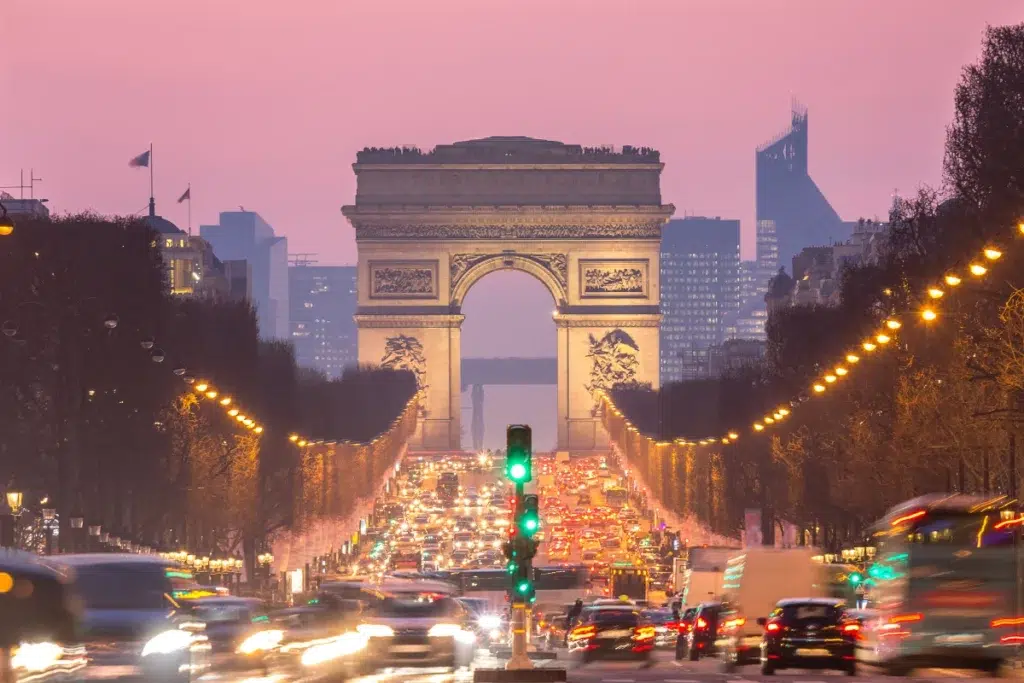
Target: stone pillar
x=477, y=396
x=430, y=347
x=595, y=352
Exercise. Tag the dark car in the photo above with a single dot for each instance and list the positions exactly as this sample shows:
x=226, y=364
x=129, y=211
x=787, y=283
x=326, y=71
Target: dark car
x=131, y=624
x=238, y=629
x=686, y=620
x=38, y=639
x=809, y=633
x=612, y=632
x=702, y=632
x=666, y=628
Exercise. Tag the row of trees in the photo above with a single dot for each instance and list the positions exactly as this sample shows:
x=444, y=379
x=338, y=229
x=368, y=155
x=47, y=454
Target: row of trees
x=940, y=409
x=96, y=416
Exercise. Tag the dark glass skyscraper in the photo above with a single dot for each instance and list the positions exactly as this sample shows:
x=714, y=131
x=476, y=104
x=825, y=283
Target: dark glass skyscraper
x=792, y=213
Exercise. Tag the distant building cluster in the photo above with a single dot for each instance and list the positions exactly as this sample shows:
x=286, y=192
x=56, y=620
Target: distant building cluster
x=323, y=301
x=714, y=310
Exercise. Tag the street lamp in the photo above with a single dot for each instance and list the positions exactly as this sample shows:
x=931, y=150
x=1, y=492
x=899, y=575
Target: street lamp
x=6, y=223
x=14, y=501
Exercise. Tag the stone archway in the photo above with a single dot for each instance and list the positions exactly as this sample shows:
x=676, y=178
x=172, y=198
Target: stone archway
x=585, y=222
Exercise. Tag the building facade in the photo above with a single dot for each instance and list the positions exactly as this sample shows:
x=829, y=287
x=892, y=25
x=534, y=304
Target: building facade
x=322, y=305
x=244, y=235
x=36, y=208
x=700, y=290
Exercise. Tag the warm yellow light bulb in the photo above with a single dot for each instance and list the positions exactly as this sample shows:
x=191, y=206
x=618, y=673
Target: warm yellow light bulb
x=869, y=346
x=992, y=254
x=883, y=338
x=301, y=443
x=733, y=435
x=819, y=388
x=830, y=378
x=240, y=418
x=783, y=411
x=211, y=394
x=978, y=270
x=935, y=293
x=852, y=358
x=758, y=427
x=233, y=412
x=226, y=401
x=293, y=437
x=953, y=280
x=841, y=371
x=202, y=386
x=929, y=315
x=768, y=420
x=1020, y=227
x=893, y=324
x=258, y=430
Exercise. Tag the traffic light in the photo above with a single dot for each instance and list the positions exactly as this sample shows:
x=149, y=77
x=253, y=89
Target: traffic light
x=855, y=578
x=528, y=521
x=522, y=588
x=518, y=453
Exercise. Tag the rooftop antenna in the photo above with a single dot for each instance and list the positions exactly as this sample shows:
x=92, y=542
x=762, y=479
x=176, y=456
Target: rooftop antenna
x=32, y=179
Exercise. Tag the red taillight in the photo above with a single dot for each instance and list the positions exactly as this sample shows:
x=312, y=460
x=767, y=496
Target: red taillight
x=583, y=633
x=1007, y=621
x=851, y=628
x=772, y=627
x=673, y=625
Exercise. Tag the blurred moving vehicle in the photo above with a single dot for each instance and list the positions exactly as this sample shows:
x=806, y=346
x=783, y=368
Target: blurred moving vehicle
x=131, y=624
x=703, y=632
x=666, y=629
x=38, y=640
x=754, y=582
x=238, y=629
x=808, y=633
x=686, y=620
x=944, y=585
x=612, y=632
x=552, y=631
x=418, y=629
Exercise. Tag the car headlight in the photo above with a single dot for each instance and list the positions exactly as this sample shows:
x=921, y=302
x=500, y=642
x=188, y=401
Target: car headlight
x=261, y=641
x=36, y=656
x=167, y=642
x=375, y=630
x=342, y=646
x=489, y=621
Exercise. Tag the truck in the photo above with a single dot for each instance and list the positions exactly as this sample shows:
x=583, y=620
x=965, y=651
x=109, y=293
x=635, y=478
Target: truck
x=702, y=574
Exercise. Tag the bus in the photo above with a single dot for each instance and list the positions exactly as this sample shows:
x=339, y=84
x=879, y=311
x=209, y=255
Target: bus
x=448, y=487
x=561, y=585
x=943, y=587
x=628, y=580
x=615, y=497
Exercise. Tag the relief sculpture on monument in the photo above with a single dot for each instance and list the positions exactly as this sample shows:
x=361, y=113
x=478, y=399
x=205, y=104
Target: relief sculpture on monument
x=613, y=360
x=402, y=280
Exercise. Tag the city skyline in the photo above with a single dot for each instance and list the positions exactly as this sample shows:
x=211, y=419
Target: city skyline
x=299, y=180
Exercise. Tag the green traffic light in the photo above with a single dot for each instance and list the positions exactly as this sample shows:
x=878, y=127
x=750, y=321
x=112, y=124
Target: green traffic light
x=531, y=524
x=523, y=587
x=856, y=578
x=517, y=471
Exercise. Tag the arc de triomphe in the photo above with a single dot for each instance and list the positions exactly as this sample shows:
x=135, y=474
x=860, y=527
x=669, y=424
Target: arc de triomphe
x=585, y=222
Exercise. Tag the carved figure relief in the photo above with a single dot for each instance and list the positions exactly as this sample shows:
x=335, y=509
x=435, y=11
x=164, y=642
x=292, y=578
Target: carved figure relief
x=614, y=279
x=613, y=360
x=399, y=280
x=556, y=264
x=406, y=353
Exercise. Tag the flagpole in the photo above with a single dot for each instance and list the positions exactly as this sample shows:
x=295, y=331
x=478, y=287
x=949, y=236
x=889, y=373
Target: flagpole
x=152, y=196
x=189, y=209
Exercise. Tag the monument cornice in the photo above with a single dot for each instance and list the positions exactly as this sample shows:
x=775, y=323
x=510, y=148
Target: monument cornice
x=653, y=166
x=508, y=222
x=604, y=321
x=443, y=320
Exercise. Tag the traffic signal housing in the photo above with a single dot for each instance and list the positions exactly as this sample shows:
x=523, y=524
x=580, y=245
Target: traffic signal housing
x=523, y=589
x=528, y=521
x=519, y=453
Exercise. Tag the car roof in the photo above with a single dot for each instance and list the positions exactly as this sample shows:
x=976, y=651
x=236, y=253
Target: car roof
x=106, y=559
x=831, y=602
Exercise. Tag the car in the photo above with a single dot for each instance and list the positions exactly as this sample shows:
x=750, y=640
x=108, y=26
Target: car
x=700, y=640
x=131, y=621
x=418, y=630
x=809, y=633
x=686, y=620
x=666, y=628
x=611, y=632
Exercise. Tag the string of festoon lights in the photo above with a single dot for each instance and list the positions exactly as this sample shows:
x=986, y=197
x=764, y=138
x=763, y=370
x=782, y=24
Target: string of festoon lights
x=927, y=312
x=206, y=390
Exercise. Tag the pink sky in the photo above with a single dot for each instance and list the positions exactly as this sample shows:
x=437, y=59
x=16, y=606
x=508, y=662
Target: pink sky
x=264, y=104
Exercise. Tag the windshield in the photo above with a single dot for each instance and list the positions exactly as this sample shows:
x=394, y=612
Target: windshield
x=222, y=614
x=972, y=530
x=617, y=617
x=124, y=587
x=658, y=617
x=811, y=613
x=417, y=607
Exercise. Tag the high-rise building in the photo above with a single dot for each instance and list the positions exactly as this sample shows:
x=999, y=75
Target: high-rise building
x=700, y=260
x=792, y=212
x=322, y=302
x=245, y=235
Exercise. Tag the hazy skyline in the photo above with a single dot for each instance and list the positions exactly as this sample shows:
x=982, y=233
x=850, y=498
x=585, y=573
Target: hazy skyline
x=265, y=105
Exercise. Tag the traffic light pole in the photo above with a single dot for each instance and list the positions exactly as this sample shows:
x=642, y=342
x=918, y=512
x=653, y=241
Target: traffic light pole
x=519, y=660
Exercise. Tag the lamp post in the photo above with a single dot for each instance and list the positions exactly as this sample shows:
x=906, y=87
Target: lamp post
x=6, y=223
x=9, y=522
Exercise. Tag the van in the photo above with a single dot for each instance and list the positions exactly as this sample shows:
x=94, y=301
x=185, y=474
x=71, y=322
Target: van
x=754, y=581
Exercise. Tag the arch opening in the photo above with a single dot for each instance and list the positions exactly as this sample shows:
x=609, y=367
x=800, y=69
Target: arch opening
x=508, y=341
x=508, y=262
